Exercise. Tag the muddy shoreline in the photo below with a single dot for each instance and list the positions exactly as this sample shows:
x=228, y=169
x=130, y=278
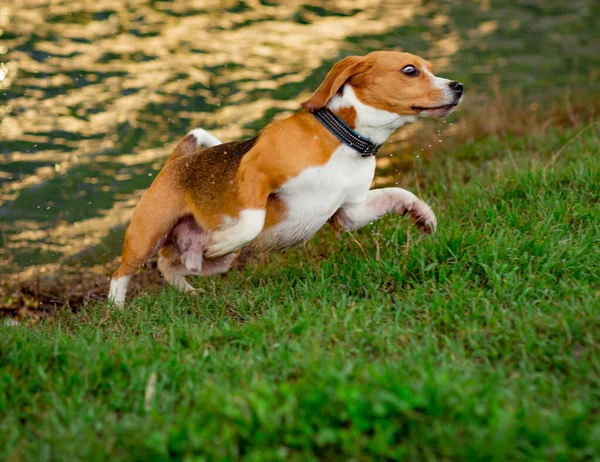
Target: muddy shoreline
x=73, y=289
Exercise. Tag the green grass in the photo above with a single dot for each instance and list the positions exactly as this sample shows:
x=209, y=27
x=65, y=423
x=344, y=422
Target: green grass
x=478, y=343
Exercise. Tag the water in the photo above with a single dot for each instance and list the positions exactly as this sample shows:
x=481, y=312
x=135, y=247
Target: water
x=94, y=94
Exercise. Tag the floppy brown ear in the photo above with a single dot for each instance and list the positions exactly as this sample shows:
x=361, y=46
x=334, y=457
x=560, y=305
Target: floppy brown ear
x=334, y=80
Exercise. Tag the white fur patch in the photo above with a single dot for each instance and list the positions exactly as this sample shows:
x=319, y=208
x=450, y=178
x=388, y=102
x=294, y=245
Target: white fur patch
x=375, y=124
x=318, y=192
x=203, y=138
x=118, y=290
x=315, y=195
x=249, y=225
x=383, y=201
x=443, y=85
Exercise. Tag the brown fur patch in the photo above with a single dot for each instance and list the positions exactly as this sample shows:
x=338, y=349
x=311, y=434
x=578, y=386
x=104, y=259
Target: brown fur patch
x=208, y=179
x=348, y=115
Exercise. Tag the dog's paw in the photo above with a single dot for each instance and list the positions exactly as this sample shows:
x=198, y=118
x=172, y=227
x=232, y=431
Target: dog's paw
x=423, y=217
x=196, y=292
x=231, y=239
x=228, y=241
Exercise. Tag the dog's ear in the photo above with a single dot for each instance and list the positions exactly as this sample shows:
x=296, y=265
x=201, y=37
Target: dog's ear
x=339, y=74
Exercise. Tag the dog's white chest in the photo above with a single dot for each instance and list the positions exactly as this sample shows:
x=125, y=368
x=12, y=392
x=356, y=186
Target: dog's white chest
x=316, y=194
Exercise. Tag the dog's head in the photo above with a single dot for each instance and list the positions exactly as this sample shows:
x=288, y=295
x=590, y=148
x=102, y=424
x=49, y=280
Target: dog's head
x=399, y=83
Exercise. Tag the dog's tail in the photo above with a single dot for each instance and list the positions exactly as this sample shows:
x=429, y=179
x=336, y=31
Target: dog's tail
x=191, y=142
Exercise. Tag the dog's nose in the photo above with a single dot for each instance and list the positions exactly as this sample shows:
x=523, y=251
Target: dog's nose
x=457, y=87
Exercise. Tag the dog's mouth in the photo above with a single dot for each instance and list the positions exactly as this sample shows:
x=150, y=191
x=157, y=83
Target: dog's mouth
x=436, y=111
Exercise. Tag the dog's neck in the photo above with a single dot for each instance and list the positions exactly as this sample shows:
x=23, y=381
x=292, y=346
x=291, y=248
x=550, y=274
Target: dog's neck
x=375, y=124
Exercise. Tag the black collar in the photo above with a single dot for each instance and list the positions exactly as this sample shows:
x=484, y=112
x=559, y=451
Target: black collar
x=345, y=134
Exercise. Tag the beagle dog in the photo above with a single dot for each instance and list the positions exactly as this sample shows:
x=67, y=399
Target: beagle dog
x=212, y=200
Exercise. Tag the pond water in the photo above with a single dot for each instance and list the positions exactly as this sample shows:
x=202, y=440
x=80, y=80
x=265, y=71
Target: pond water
x=94, y=94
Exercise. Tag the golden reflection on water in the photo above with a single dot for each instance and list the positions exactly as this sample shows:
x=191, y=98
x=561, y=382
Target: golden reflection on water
x=101, y=90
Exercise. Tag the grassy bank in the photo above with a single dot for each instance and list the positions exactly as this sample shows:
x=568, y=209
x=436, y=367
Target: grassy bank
x=478, y=343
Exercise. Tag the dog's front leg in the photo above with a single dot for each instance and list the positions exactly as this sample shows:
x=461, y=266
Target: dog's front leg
x=380, y=202
x=254, y=188
x=249, y=225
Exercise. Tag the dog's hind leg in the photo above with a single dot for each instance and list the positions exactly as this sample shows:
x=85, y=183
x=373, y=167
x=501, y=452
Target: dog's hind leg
x=183, y=255
x=175, y=272
x=171, y=268
x=155, y=214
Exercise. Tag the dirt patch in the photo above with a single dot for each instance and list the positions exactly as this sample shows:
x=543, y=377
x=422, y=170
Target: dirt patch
x=38, y=297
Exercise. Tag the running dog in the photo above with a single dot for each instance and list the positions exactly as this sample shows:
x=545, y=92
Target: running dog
x=212, y=200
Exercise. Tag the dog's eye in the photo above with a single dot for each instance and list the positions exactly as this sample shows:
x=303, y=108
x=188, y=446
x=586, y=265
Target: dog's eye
x=411, y=71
